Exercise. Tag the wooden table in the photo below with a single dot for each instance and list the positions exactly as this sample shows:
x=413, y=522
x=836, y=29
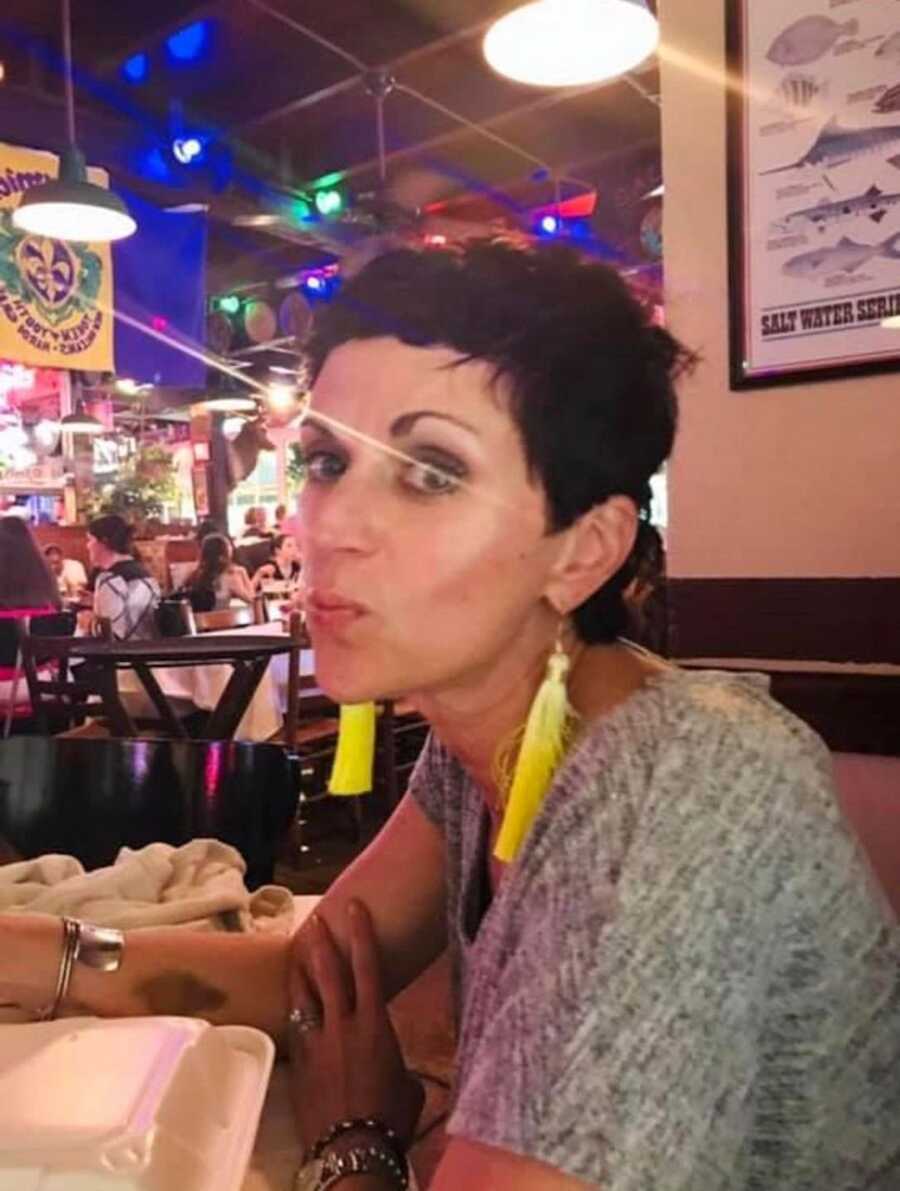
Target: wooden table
x=248, y=655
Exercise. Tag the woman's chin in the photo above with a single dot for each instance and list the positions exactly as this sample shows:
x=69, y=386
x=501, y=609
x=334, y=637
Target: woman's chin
x=342, y=688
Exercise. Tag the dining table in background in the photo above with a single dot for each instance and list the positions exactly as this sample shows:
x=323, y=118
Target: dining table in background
x=218, y=672
x=202, y=685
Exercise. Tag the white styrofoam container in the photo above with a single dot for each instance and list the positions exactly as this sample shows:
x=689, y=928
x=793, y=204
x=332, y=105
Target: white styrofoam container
x=132, y=1104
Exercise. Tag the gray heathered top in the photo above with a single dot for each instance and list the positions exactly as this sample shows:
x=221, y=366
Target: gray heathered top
x=686, y=981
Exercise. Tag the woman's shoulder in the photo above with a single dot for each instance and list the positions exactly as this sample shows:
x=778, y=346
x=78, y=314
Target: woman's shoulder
x=691, y=747
x=708, y=708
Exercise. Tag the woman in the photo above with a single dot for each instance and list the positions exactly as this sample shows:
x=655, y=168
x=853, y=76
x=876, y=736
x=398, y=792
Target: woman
x=217, y=580
x=26, y=582
x=284, y=566
x=680, y=980
x=28, y=592
x=125, y=593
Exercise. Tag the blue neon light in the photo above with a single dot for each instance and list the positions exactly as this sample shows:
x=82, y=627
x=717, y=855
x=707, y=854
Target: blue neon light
x=152, y=164
x=189, y=44
x=136, y=68
x=187, y=149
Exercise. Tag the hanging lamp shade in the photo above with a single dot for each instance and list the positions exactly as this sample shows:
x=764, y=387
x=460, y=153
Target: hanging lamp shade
x=570, y=43
x=81, y=423
x=230, y=403
x=72, y=208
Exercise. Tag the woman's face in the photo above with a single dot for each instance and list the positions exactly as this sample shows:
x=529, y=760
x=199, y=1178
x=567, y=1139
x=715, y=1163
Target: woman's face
x=288, y=552
x=422, y=573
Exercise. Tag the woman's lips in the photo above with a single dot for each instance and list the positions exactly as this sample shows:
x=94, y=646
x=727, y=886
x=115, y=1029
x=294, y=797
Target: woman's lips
x=327, y=609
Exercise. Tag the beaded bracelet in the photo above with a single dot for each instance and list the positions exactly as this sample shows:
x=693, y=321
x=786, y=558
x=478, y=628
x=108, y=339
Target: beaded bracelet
x=373, y=1159
x=371, y=1125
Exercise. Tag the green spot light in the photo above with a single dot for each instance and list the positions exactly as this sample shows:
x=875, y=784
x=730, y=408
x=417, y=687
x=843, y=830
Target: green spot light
x=329, y=202
x=300, y=209
x=230, y=305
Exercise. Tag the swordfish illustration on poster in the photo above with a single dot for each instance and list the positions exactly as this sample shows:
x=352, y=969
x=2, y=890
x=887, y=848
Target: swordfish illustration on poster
x=820, y=152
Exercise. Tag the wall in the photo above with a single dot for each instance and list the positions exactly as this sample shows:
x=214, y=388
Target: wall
x=799, y=481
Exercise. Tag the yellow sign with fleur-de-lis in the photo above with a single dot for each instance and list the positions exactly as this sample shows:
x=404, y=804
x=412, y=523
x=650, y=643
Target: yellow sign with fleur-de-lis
x=55, y=296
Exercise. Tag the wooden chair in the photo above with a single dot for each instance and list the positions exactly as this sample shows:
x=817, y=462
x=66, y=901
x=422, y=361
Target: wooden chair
x=311, y=718
x=176, y=618
x=225, y=618
x=53, y=688
x=17, y=702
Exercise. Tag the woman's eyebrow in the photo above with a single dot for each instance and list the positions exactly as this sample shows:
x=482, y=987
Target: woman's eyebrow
x=311, y=422
x=404, y=424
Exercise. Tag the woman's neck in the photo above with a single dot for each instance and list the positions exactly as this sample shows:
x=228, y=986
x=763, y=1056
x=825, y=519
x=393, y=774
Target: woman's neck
x=476, y=730
x=112, y=558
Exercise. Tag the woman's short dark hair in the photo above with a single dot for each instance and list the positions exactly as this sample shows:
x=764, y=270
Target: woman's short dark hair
x=589, y=378
x=25, y=578
x=113, y=532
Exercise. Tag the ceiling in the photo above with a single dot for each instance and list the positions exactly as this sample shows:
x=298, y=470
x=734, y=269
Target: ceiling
x=279, y=109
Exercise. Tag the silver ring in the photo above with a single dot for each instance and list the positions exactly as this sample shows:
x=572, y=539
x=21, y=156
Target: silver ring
x=304, y=1020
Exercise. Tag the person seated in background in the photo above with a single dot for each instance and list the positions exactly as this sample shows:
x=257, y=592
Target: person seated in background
x=125, y=593
x=255, y=529
x=29, y=591
x=254, y=546
x=218, y=579
x=284, y=565
x=70, y=575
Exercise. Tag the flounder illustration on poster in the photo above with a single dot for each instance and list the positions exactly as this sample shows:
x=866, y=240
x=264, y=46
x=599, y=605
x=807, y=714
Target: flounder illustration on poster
x=55, y=297
x=818, y=202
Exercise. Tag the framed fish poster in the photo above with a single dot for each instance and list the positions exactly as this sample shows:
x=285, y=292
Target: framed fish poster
x=813, y=189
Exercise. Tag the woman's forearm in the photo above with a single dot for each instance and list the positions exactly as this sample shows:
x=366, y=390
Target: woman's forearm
x=220, y=977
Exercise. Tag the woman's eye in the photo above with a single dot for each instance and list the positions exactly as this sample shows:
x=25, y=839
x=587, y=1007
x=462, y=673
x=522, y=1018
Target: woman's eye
x=430, y=478
x=323, y=466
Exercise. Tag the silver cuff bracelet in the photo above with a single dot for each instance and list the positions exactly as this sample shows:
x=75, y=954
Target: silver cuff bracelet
x=98, y=947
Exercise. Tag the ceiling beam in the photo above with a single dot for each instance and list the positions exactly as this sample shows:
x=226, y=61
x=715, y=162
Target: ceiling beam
x=467, y=128
x=306, y=101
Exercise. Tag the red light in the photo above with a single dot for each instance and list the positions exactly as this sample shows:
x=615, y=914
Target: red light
x=158, y=323
x=435, y=240
x=580, y=207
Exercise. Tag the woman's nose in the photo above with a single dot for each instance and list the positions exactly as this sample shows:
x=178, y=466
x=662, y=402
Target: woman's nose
x=341, y=516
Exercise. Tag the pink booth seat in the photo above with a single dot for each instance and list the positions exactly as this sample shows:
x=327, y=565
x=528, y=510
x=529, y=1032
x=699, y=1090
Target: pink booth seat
x=869, y=793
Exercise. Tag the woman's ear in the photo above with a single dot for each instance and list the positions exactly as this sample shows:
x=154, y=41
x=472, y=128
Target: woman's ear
x=594, y=547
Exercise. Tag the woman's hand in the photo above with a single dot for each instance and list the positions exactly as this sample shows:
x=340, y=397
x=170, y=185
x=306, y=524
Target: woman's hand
x=350, y=1065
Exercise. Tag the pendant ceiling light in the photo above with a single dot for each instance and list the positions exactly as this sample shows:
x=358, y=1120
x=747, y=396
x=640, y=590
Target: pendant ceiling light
x=230, y=403
x=81, y=423
x=568, y=43
x=70, y=207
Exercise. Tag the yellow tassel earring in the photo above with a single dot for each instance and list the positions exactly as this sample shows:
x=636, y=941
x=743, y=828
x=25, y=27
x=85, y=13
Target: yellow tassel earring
x=354, y=756
x=548, y=732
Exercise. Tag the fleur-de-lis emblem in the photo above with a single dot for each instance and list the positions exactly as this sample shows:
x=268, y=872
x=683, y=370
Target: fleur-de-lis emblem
x=49, y=269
